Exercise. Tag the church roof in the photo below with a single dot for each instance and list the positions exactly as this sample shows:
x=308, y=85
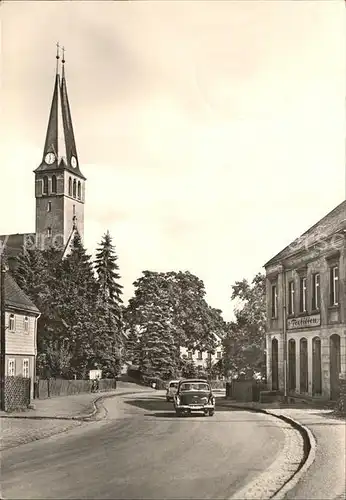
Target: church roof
x=14, y=244
x=332, y=223
x=16, y=298
x=60, y=152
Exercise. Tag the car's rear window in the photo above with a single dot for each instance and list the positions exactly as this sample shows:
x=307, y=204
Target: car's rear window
x=194, y=387
x=173, y=384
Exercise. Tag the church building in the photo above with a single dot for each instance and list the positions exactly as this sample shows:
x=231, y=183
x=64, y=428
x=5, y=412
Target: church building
x=59, y=182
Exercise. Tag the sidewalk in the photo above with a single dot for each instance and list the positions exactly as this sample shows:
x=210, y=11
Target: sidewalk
x=326, y=477
x=61, y=407
x=55, y=415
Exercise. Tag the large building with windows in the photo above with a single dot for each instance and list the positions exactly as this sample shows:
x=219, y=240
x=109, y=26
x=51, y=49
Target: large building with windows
x=306, y=311
x=59, y=182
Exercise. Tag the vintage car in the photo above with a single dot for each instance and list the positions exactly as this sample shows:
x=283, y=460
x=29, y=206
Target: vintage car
x=171, y=389
x=194, y=395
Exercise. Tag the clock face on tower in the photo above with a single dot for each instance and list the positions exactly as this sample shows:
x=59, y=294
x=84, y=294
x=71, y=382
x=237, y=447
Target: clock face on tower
x=73, y=162
x=49, y=158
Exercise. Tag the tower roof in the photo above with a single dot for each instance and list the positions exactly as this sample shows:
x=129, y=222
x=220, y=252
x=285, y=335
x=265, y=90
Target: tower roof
x=60, y=152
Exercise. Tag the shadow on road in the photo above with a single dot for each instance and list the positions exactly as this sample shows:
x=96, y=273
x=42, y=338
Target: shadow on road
x=162, y=414
x=151, y=404
x=160, y=408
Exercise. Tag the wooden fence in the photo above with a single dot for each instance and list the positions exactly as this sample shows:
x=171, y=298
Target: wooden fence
x=49, y=388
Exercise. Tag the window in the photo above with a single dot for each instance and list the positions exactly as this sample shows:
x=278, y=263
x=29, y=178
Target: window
x=274, y=301
x=79, y=190
x=49, y=231
x=70, y=186
x=200, y=355
x=218, y=354
x=334, y=286
x=11, y=370
x=54, y=184
x=45, y=185
x=26, y=324
x=26, y=368
x=291, y=297
x=11, y=323
x=49, y=206
x=303, y=294
x=74, y=188
x=316, y=292
x=189, y=354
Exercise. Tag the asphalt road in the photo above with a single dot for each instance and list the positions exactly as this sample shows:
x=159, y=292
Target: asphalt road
x=143, y=451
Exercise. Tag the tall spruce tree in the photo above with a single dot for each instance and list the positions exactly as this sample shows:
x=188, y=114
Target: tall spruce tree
x=35, y=274
x=32, y=274
x=74, y=300
x=109, y=300
x=157, y=353
x=108, y=276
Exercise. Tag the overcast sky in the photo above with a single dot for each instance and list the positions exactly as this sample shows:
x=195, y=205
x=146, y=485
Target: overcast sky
x=211, y=133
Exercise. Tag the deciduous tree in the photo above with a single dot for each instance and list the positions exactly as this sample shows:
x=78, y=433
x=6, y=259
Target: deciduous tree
x=245, y=339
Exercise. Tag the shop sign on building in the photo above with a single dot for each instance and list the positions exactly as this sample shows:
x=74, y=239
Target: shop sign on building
x=304, y=322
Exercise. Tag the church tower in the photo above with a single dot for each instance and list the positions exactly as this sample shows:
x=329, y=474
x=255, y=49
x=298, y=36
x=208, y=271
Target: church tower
x=59, y=182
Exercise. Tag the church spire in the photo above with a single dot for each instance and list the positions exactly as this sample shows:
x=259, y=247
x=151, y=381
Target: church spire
x=57, y=57
x=60, y=148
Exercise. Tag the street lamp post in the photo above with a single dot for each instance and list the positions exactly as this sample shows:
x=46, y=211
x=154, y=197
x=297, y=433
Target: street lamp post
x=2, y=332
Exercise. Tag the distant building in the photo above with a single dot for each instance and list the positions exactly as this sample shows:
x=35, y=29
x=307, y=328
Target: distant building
x=21, y=317
x=59, y=183
x=203, y=359
x=306, y=303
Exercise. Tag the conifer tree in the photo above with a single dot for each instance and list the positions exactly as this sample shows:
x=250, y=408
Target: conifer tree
x=157, y=353
x=35, y=274
x=74, y=299
x=108, y=276
x=109, y=294
x=32, y=274
x=132, y=347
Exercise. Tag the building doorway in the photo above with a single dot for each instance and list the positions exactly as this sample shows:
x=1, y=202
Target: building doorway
x=303, y=366
x=334, y=366
x=292, y=365
x=316, y=366
x=275, y=365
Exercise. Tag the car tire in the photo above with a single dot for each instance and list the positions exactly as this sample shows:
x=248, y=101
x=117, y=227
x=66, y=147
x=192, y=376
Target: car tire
x=211, y=412
x=178, y=413
x=168, y=400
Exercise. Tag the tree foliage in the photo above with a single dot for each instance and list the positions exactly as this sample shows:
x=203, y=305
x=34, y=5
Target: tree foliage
x=245, y=340
x=76, y=330
x=169, y=311
x=108, y=276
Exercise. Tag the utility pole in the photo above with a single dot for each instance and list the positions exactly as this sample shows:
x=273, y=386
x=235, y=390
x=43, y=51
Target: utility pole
x=2, y=331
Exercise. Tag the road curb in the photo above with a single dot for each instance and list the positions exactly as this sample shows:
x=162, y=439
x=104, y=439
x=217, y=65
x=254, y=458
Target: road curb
x=95, y=402
x=309, y=454
x=309, y=457
x=69, y=418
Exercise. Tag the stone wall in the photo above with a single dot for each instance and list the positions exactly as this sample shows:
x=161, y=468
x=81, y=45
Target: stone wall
x=17, y=393
x=341, y=404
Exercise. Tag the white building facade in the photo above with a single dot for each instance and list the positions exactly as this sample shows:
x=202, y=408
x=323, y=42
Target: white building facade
x=306, y=311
